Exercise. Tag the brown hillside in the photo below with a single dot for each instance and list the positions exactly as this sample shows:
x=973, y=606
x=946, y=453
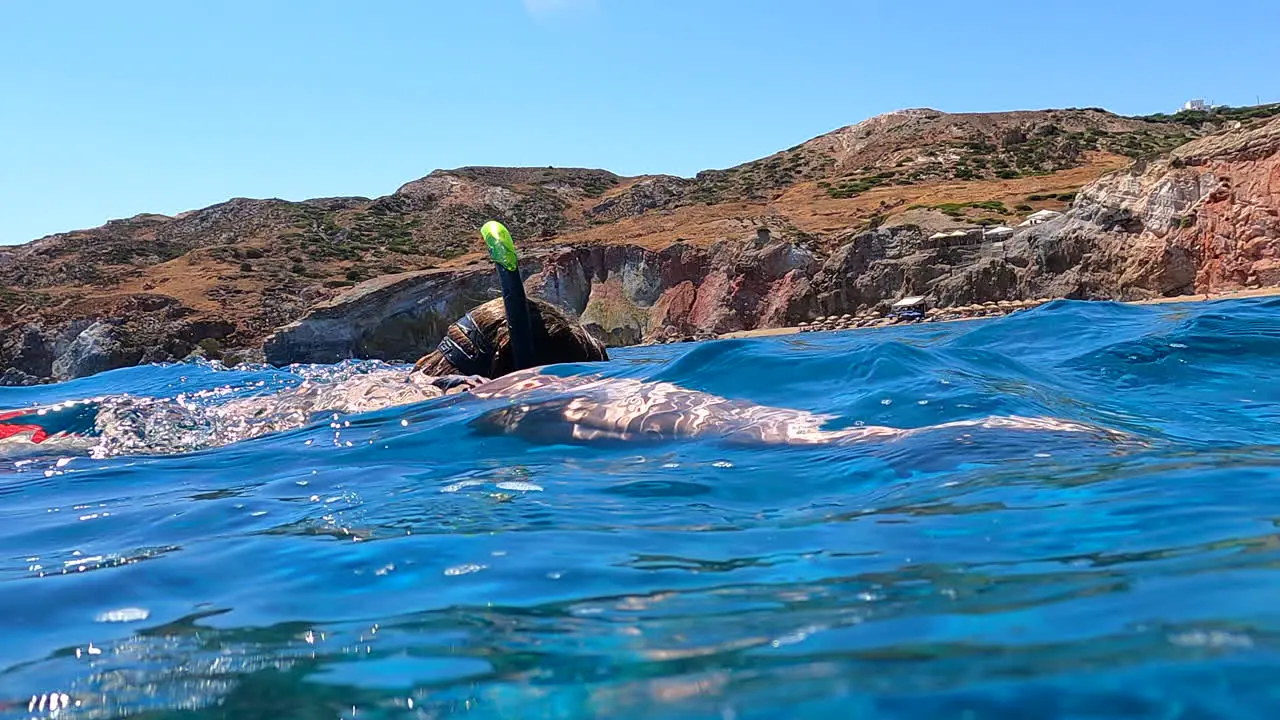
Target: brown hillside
x=236, y=270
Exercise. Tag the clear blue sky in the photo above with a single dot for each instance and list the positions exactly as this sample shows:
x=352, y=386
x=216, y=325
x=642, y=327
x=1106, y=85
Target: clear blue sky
x=108, y=109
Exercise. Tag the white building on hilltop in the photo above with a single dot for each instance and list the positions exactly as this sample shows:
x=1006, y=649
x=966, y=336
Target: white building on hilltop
x=1195, y=105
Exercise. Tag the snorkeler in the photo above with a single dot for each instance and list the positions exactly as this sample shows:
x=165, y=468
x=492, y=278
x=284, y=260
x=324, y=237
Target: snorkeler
x=492, y=354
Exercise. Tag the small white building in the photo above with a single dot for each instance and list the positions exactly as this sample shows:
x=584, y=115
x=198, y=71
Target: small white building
x=1042, y=216
x=1195, y=105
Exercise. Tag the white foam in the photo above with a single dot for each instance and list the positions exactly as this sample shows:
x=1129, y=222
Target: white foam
x=124, y=615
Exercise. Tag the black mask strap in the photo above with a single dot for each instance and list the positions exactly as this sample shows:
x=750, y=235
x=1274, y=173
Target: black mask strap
x=478, y=362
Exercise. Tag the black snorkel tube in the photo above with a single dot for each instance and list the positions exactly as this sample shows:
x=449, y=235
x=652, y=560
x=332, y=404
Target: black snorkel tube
x=503, y=253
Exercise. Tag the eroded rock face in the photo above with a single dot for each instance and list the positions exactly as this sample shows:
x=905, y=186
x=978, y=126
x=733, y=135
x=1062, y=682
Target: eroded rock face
x=13, y=377
x=623, y=294
x=133, y=329
x=1205, y=219
x=396, y=317
x=95, y=349
x=889, y=263
x=30, y=352
x=1236, y=227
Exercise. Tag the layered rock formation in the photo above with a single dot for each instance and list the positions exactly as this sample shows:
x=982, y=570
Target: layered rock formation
x=629, y=294
x=636, y=258
x=140, y=329
x=1204, y=219
x=624, y=294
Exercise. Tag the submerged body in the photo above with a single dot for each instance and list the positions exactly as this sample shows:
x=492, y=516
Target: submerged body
x=531, y=404
x=590, y=408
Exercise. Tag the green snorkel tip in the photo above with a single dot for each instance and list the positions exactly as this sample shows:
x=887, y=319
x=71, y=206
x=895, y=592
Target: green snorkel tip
x=501, y=249
x=514, y=303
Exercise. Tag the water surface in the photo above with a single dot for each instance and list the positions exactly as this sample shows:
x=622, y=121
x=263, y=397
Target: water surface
x=399, y=564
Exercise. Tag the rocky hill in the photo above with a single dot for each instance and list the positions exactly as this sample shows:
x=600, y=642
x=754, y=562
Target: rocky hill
x=1203, y=219
x=633, y=255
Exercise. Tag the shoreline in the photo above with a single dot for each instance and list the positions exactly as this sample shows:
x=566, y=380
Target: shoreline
x=1231, y=295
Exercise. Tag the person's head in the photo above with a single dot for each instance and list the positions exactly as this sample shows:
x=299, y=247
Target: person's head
x=556, y=339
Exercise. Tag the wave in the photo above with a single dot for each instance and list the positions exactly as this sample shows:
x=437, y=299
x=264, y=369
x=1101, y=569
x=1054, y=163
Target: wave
x=401, y=557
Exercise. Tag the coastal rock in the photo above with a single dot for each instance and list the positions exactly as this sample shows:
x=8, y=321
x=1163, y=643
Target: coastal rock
x=30, y=351
x=13, y=377
x=95, y=349
x=1204, y=219
x=633, y=257
x=882, y=265
x=1235, y=229
x=612, y=316
x=622, y=294
x=397, y=317
x=672, y=310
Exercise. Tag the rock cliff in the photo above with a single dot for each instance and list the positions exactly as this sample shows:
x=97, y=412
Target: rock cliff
x=850, y=216
x=624, y=294
x=1204, y=219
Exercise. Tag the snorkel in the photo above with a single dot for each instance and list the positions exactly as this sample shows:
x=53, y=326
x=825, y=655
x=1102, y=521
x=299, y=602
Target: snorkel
x=503, y=253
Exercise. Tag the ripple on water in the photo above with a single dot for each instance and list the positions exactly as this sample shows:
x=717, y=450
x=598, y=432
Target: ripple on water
x=427, y=571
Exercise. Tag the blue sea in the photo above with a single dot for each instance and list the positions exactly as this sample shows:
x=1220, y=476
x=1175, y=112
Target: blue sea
x=401, y=565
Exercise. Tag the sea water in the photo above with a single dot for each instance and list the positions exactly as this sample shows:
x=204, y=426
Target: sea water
x=401, y=565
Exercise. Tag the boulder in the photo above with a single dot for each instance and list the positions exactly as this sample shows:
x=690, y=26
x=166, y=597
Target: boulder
x=622, y=294
x=392, y=317
x=95, y=349
x=13, y=377
x=29, y=351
